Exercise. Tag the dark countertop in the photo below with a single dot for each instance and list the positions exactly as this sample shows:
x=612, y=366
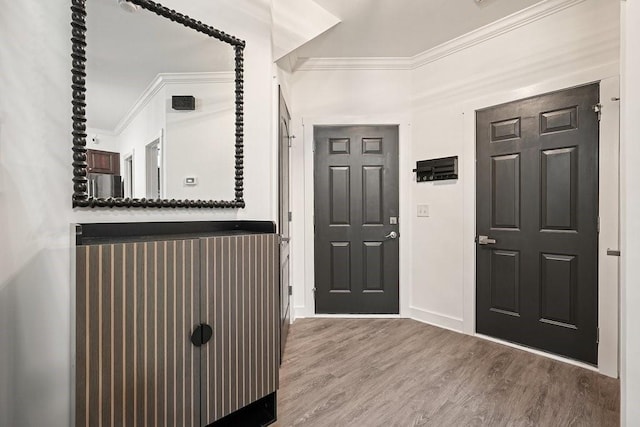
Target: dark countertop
x=104, y=233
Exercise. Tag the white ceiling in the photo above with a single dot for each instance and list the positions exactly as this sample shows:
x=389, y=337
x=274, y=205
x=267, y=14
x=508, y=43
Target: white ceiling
x=126, y=51
x=401, y=28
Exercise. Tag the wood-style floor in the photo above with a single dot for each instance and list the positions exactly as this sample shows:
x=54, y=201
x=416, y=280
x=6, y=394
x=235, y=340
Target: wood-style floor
x=398, y=372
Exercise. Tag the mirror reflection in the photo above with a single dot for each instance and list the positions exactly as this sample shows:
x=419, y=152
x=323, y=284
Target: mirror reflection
x=161, y=107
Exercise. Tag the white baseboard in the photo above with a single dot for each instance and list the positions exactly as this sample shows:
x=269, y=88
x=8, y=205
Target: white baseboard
x=299, y=312
x=357, y=316
x=436, y=319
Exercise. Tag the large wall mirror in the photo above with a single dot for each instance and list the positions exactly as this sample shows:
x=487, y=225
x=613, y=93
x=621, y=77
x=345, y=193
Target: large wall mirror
x=157, y=108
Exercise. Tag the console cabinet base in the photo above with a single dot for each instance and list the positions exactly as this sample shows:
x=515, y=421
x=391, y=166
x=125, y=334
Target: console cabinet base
x=137, y=305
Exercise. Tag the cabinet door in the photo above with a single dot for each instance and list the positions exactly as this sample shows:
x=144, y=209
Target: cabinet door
x=106, y=162
x=239, y=300
x=136, y=306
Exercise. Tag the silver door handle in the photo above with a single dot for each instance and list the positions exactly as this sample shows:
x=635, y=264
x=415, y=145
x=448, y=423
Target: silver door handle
x=485, y=240
x=392, y=235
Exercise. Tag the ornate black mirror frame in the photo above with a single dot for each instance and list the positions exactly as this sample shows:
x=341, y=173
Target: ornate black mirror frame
x=78, y=53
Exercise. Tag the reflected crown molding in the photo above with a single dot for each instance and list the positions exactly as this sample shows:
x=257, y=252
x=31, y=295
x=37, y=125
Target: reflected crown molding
x=497, y=28
x=163, y=79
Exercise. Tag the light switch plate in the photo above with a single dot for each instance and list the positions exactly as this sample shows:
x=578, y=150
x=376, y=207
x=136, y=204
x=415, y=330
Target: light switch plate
x=423, y=210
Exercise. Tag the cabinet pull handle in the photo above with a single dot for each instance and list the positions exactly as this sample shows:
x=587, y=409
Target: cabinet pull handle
x=201, y=335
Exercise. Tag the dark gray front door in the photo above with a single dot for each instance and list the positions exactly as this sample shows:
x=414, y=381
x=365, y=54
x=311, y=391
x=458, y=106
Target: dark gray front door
x=537, y=197
x=284, y=220
x=356, y=207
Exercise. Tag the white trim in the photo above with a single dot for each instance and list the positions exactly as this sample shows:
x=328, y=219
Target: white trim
x=405, y=181
x=298, y=312
x=357, y=316
x=538, y=352
x=494, y=29
x=162, y=163
x=497, y=28
x=123, y=168
x=437, y=319
x=609, y=237
x=471, y=87
x=163, y=79
x=318, y=64
x=608, y=349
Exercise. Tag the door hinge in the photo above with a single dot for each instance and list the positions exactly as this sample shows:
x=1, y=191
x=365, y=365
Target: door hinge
x=290, y=290
x=597, y=108
x=290, y=216
x=314, y=289
x=291, y=138
x=598, y=336
x=598, y=225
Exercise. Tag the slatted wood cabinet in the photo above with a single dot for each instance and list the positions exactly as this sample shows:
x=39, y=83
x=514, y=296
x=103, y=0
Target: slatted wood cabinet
x=137, y=306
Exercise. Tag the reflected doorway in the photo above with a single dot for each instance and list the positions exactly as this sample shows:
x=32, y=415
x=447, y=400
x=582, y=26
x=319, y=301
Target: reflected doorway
x=153, y=156
x=128, y=176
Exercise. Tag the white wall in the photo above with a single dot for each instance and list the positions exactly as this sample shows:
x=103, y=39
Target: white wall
x=201, y=143
x=575, y=46
x=99, y=139
x=630, y=212
x=339, y=97
x=570, y=47
x=35, y=190
x=147, y=126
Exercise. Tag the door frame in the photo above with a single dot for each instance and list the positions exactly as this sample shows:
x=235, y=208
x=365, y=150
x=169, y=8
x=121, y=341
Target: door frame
x=130, y=155
x=281, y=217
x=608, y=277
x=163, y=170
x=405, y=197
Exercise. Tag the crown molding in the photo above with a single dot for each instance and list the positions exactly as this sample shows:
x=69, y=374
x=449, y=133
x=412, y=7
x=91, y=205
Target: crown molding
x=497, y=28
x=164, y=79
x=317, y=64
x=502, y=26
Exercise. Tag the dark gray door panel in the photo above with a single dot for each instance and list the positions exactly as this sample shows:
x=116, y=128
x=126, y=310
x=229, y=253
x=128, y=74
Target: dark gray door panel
x=284, y=219
x=537, y=196
x=356, y=197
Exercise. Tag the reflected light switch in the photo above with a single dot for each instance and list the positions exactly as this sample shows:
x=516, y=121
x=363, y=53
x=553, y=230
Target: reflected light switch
x=191, y=180
x=423, y=210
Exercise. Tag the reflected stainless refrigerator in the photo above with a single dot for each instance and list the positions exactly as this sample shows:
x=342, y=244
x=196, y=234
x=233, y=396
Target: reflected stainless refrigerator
x=103, y=185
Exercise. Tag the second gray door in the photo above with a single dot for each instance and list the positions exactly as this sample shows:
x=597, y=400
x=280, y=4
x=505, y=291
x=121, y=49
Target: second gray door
x=537, y=213
x=356, y=219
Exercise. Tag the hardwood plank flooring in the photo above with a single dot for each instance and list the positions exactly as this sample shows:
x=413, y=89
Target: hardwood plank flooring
x=399, y=372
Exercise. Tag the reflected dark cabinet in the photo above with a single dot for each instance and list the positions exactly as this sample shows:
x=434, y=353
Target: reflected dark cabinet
x=106, y=162
x=138, y=307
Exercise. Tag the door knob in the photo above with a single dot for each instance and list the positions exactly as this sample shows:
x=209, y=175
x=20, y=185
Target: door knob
x=392, y=235
x=486, y=240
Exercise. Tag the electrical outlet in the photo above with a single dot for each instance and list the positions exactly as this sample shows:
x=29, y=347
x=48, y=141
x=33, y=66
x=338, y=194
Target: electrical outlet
x=423, y=210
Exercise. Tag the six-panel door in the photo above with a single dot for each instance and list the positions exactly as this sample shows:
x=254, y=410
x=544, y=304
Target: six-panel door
x=356, y=210
x=537, y=196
